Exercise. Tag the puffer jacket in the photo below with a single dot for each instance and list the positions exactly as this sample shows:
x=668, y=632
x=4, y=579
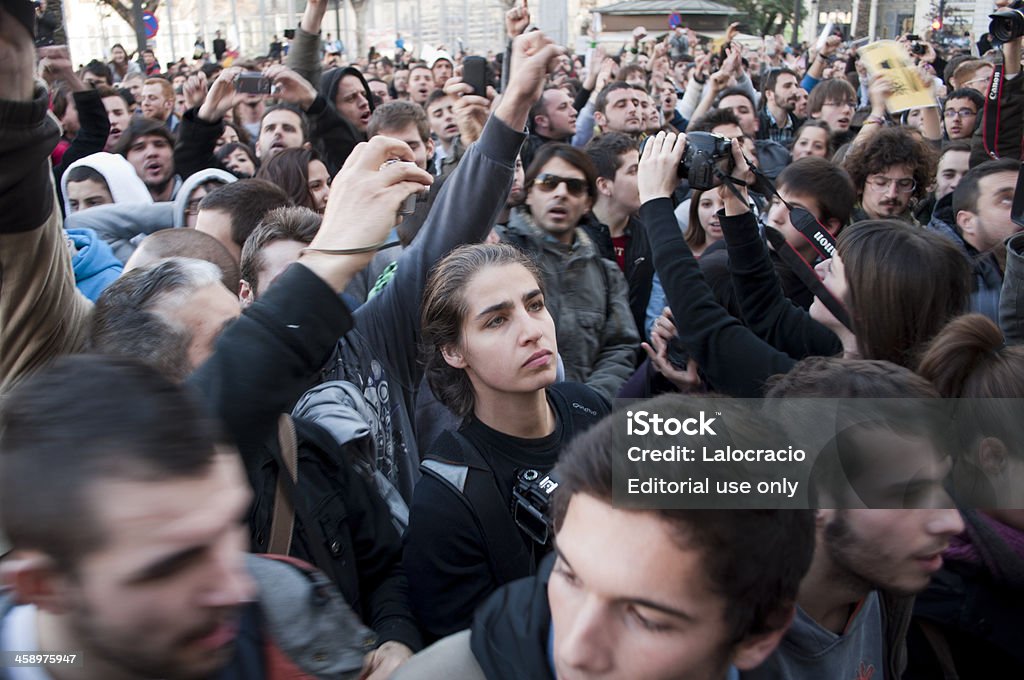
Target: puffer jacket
x=588, y=299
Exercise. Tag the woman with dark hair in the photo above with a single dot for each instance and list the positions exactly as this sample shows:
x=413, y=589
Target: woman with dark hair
x=238, y=159
x=703, y=229
x=969, y=615
x=814, y=138
x=233, y=134
x=491, y=357
x=120, y=65
x=302, y=175
x=898, y=285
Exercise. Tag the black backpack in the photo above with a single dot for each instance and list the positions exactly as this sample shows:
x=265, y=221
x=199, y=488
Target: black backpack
x=456, y=463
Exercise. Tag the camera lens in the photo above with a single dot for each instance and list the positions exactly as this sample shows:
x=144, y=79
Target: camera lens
x=1007, y=25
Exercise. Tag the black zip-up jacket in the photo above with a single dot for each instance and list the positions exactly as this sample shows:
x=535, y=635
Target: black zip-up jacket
x=639, y=265
x=734, y=360
x=288, y=335
x=197, y=139
x=510, y=630
x=1008, y=112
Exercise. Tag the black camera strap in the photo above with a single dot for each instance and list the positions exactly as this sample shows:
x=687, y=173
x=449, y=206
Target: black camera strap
x=815, y=234
x=807, y=276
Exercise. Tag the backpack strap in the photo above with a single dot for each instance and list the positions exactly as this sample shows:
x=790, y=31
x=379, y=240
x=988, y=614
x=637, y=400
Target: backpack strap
x=469, y=475
x=584, y=406
x=939, y=645
x=283, y=522
x=287, y=486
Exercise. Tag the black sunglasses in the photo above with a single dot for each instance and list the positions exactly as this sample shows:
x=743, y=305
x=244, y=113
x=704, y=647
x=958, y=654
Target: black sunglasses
x=548, y=183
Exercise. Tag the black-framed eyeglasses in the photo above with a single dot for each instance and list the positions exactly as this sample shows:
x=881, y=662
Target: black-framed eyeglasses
x=548, y=183
x=904, y=185
x=959, y=113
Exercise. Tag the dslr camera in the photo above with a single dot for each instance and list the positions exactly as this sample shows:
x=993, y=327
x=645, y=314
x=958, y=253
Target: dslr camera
x=705, y=153
x=531, y=504
x=1008, y=23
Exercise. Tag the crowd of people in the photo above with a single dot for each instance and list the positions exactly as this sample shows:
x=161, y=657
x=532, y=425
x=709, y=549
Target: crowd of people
x=308, y=367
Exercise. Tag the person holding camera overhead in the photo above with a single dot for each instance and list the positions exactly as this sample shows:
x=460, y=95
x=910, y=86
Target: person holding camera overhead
x=874, y=260
x=478, y=517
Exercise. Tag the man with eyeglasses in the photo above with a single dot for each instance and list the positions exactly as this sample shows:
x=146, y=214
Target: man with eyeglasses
x=960, y=113
x=586, y=294
x=891, y=168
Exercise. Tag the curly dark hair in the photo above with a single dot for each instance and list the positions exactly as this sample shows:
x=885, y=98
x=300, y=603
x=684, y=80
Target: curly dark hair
x=889, y=147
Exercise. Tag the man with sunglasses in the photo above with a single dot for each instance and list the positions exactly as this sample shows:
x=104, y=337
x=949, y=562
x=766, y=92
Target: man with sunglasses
x=586, y=294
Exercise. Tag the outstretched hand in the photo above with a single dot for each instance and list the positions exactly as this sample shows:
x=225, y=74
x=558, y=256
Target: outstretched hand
x=733, y=204
x=471, y=110
x=222, y=96
x=657, y=175
x=533, y=58
x=662, y=332
x=290, y=86
x=366, y=196
x=517, y=20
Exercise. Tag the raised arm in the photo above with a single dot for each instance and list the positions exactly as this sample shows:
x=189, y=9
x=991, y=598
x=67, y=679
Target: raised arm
x=734, y=360
x=42, y=315
x=463, y=212
x=765, y=308
x=289, y=333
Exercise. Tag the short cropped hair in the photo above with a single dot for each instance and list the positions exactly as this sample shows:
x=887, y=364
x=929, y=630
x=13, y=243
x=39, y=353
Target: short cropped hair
x=284, y=106
x=830, y=90
x=247, y=201
x=735, y=91
x=435, y=96
x=130, y=318
x=712, y=119
x=396, y=115
x=281, y=224
x=825, y=182
x=80, y=421
x=190, y=243
x=606, y=152
x=602, y=97
x=753, y=559
x=967, y=93
x=165, y=86
x=966, y=194
x=962, y=73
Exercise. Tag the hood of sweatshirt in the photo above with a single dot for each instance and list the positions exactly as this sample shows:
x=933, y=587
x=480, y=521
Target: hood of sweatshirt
x=124, y=184
x=94, y=263
x=330, y=80
x=181, y=199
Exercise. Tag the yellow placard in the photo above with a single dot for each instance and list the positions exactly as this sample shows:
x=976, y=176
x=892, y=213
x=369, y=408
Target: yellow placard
x=889, y=58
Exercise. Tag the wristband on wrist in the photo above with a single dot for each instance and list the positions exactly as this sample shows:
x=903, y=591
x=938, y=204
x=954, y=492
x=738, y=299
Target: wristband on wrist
x=347, y=251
